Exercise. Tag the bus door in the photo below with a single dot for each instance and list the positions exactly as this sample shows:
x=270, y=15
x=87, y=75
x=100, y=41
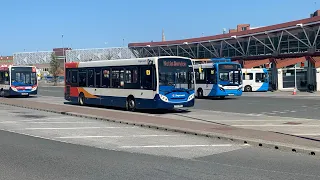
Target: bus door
x=211, y=81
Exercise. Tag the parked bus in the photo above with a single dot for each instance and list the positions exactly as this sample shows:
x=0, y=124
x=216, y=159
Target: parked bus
x=220, y=78
x=255, y=79
x=141, y=83
x=18, y=81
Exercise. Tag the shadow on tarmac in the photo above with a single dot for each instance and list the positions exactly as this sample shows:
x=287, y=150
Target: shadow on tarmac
x=147, y=111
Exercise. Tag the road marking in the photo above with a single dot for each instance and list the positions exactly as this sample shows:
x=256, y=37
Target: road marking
x=244, y=114
x=78, y=128
x=61, y=122
x=4, y=122
x=280, y=125
x=259, y=120
x=315, y=134
x=44, y=119
x=178, y=146
x=80, y=137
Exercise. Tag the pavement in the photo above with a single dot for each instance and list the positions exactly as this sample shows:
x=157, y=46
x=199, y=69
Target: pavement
x=204, y=123
x=42, y=145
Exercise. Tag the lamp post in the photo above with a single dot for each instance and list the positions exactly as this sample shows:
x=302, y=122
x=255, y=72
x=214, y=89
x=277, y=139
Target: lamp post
x=63, y=49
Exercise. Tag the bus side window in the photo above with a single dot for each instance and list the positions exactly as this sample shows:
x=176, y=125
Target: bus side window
x=82, y=78
x=97, y=73
x=1, y=77
x=248, y=76
x=147, y=77
x=200, y=77
x=117, y=78
x=90, y=78
x=74, y=77
x=105, y=78
x=260, y=77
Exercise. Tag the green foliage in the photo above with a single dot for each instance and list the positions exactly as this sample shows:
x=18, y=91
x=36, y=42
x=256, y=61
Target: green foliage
x=55, y=69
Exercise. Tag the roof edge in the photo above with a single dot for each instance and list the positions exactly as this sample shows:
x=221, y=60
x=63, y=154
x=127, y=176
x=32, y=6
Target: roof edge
x=219, y=36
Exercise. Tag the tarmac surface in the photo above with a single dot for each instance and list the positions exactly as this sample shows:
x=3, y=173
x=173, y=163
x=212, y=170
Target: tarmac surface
x=43, y=145
x=279, y=104
x=277, y=122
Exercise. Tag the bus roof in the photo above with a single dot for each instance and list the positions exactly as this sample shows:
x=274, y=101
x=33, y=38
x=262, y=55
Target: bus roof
x=119, y=62
x=206, y=65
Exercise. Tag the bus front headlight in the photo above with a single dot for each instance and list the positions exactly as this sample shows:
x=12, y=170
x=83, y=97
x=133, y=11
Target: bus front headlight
x=191, y=97
x=163, y=98
x=34, y=88
x=14, y=89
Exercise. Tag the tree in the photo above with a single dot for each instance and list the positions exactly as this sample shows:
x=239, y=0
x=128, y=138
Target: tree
x=55, y=69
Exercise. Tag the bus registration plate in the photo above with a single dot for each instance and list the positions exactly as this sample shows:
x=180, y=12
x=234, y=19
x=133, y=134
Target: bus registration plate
x=24, y=93
x=178, y=106
x=231, y=94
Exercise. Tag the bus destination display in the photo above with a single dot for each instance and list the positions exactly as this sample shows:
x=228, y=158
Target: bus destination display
x=174, y=63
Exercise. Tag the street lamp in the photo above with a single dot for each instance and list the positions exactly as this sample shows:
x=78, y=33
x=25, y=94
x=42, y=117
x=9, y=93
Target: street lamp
x=63, y=49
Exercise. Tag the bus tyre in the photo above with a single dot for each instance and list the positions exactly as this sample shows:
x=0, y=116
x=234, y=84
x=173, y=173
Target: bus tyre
x=200, y=93
x=81, y=99
x=247, y=89
x=131, y=104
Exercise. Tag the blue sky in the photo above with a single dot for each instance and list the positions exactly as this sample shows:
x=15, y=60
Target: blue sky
x=31, y=25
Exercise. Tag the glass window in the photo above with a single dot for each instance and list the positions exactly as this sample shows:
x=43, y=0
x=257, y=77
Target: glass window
x=248, y=76
x=98, y=78
x=74, y=77
x=260, y=77
x=129, y=76
x=211, y=76
x=117, y=78
x=90, y=78
x=146, y=77
x=105, y=78
x=82, y=78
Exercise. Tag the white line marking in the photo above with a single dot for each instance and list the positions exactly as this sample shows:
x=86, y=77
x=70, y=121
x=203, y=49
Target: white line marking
x=279, y=125
x=315, y=134
x=52, y=118
x=179, y=146
x=61, y=122
x=80, y=137
x=4, y=122
x=244, y=114
x=77, y=128
x=259, y=120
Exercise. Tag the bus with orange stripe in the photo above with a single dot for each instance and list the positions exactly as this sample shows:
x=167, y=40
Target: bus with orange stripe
x=18, y=80
x=165, y=82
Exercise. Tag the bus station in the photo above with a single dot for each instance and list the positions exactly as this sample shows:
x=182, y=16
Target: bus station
x=290, y=50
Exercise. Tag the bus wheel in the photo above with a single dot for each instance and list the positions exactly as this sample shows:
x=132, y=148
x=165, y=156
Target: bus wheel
x=200, y=93
x=131, y=104
x=247, y=88
x=81, y=99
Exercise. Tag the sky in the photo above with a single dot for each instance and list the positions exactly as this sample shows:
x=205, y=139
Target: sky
x=40, y=25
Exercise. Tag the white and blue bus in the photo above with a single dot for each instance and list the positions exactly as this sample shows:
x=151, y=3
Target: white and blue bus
x=18, y=81
x=255, y=79
x=220, y=78
x=140, y=83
